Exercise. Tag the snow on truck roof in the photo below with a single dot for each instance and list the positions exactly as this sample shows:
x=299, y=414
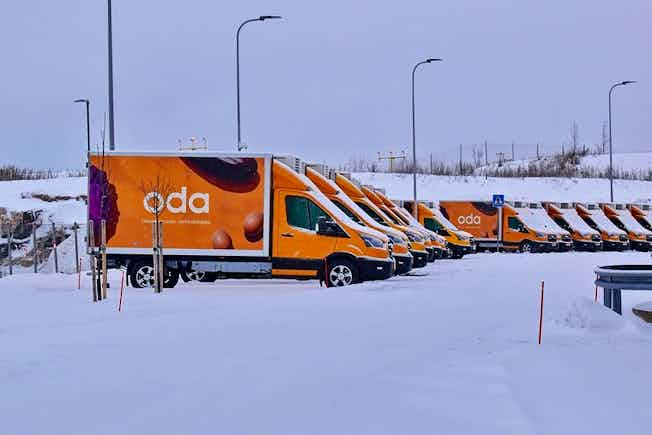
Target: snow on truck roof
x=538, y=219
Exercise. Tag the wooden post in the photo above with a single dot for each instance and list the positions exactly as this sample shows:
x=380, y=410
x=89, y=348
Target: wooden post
x=54, y=248
x=77, y=263
x=155, y=261
x=10, y=239
x=91, y=246
x=35, y=246
x=105, y=278
x=161, y=264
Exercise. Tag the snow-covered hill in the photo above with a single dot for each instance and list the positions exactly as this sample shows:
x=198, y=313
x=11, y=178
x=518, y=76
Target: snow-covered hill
x=433, y=187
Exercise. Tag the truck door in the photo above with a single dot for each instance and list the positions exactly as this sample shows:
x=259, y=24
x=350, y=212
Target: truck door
x=298, y=249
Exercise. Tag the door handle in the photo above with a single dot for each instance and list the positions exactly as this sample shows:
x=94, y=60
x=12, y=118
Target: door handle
x=287, y=235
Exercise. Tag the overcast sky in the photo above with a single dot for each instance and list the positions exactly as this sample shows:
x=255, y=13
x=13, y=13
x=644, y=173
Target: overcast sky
x=330, y=80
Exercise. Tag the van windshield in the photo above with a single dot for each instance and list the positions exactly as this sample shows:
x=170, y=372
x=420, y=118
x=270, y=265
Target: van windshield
x=347, y=212
x=441, y=218
x=371, y=213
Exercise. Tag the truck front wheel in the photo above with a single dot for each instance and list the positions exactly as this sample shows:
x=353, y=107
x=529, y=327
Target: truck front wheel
x=526, y=246
x=341, y=273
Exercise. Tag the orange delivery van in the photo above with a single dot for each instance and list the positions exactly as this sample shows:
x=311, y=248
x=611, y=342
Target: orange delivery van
x=640, y=237
x=439, y=243
x=353, y=191
x=421, y=237
x=565, y=215
x=435, y=246
x=459, y=242
x=398, y=242
x=642, y=214
x=494, y=227
x=613, y=238
x=227, y=214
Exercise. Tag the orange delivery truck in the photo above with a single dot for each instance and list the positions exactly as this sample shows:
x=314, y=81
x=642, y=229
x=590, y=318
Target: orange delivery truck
x=498, y=227
x=416, y=245
x=436, y=246
x=439, y=243
x=398, y=242
x=421, y=237
x=565, y=215
x=613, y=238
x=642, y=214
x=640, y=237
x=459, y=242
x=232, y=215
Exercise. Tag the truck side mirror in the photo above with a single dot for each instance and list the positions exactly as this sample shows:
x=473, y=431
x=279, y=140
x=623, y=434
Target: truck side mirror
x=327, y=227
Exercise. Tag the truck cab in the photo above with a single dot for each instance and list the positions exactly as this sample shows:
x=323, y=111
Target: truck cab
x=439, y=243
x=613, y=238
x=433, y=242
x=422, y=238
x=459, y=242
x=397, y=240
x=584, y=237
x=640, y=237
x=642, y=214
x=538, y=218
x=416, y=242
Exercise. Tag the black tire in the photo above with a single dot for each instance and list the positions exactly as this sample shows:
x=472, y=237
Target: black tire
x=141, y=275
x=341, y=273
x=526, y=246
x=198, y=276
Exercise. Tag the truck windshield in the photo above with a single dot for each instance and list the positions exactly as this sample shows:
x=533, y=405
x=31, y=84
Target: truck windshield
x=432, y=224
x=371, y=213
x=347, y=212
x=515, y=223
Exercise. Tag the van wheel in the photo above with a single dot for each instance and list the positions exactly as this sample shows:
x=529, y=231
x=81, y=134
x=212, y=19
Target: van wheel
x=341, y=273
x=142, y=275
x=526, y=246
x=198, y=275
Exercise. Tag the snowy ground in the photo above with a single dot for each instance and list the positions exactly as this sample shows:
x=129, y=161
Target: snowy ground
x=435, y=188
x=453, y=352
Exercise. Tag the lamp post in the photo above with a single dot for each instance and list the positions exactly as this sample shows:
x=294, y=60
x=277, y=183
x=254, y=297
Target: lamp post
x=237, y=68
x=414, y=145
x=110, y=72
x=88, y=123
x=611, y=169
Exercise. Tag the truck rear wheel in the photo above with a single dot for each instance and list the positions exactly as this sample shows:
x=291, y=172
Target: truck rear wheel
x=341, y=273
x=141, y=275
x=198, y=275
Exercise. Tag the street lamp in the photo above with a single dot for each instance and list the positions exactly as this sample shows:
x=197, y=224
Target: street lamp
x=110, y=72
x=237, y=67
x=88, y=123
x=611, y=169
x=414, y=145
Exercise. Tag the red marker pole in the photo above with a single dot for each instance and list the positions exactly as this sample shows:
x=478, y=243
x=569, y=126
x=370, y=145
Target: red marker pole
x=122, y=286
x=541, y=313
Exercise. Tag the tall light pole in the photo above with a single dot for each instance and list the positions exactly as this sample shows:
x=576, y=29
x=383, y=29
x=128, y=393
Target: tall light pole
x=414, y=141
x=237, y=68
x=611, y=168
x=110, y=63
x=88, y=123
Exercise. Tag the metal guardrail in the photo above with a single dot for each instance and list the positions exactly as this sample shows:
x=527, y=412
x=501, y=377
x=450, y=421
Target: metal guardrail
x=614, y=279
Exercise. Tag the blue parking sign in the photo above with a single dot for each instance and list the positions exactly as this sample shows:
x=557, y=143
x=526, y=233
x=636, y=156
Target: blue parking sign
x=498, y=200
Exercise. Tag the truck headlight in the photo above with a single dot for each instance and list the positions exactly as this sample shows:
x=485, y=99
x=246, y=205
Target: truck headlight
x=371, y=241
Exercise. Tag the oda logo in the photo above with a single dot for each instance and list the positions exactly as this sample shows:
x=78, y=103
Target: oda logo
x=470, y=219
x=177, y=202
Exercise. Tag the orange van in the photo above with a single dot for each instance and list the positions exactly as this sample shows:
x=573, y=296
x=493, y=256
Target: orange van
x=640, y=237
x=613, y=238
x=233, y=215
x=459, y=242
x=416, y=242
x=435, y=246
x=565, y=215
x=422, y=238
x=642, y=214
x=439, y=244
x=494, y=227
x=398, y=241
